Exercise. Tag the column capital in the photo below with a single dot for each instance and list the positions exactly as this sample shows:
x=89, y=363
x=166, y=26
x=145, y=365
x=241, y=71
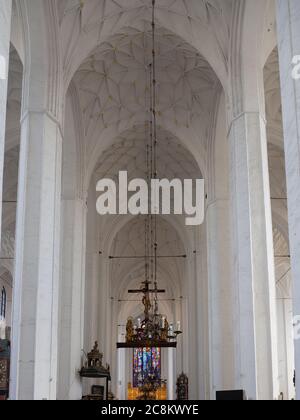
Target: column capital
x=216, y=201
x=42, y=112
x=244, y=115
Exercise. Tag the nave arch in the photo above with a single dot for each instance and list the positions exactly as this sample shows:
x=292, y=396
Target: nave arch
x=223, y=80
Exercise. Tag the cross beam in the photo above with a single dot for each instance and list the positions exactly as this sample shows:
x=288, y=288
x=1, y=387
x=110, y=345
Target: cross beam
x=144, y=256
x=146, y=291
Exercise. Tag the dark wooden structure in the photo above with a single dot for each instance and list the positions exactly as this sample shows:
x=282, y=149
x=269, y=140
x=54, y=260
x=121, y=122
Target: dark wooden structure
x=182, y=388
x=94, y=369
x=4, y=369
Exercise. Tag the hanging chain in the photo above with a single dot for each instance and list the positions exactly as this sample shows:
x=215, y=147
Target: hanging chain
x=154, y=143
x=151, y=163
x=148, y=174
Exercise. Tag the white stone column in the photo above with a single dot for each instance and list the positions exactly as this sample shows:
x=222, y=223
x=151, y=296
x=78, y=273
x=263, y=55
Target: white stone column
x=121, y=388
x=203, y=315
x=111, y=357
x=179, y=356
x=5, y=24
x=192, y=328
x=254, y=279
x=37, y=252
x=171, y=377
x=102, y=275
x=183, y=353
x=91, y=311
x=110, y=323
x=285, y=346
x=290, y=354
x=72, y=298
x=34, y=351
x=93, y=279
x=220, y=297
x=288, y=29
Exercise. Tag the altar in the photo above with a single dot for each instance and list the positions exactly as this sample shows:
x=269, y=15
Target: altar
x=94, y=369
x=136, y=394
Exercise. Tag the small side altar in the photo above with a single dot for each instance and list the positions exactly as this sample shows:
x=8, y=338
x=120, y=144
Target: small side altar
x=94, y=369
x=4, y=368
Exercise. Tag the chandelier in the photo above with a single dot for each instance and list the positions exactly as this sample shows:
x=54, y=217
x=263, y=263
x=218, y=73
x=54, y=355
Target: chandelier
x=154, y=330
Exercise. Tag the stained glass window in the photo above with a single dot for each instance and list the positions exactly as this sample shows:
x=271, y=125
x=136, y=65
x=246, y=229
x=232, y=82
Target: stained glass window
x=146, y=361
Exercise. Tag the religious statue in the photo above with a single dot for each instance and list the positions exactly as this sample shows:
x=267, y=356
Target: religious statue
x=182, y=388
x=129, y=330
x=165, y=331
x=95, y=357
x=147, y=304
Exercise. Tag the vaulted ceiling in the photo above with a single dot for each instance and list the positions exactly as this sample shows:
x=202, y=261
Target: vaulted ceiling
x=14, y=100
x=190, y=19
x=129, y=273
x=106, y=51
x=273, y=100
x=114, y=82
x=128, y=152
x=113, y=87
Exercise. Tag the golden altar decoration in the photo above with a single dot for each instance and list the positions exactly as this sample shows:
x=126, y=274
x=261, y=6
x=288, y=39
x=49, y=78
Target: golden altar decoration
x=136, y=394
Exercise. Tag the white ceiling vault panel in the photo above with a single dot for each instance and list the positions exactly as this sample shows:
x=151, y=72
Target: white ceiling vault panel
x=130, y=241
x=93, y=11
x=114, y=82
x=128, y=153
x=204, y=24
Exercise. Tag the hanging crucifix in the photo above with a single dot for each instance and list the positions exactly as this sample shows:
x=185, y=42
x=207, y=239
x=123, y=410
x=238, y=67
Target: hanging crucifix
x=146, y=299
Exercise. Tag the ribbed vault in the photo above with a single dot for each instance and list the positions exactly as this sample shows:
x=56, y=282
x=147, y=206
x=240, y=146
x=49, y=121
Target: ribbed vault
x=94, y=21
x=113, y=84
